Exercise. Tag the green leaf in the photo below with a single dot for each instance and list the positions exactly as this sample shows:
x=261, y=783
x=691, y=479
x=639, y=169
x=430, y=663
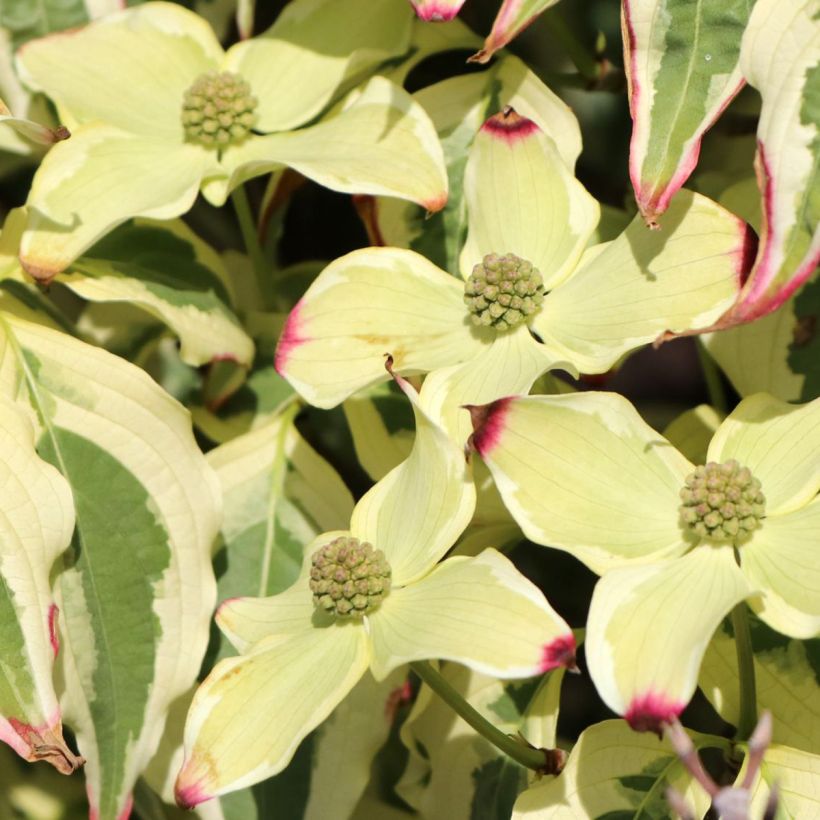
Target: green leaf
x=681, y=60
x=170, y=273
x=136, y=589
x=26, y=20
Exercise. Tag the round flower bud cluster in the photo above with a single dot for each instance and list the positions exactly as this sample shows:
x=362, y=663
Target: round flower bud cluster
x=218, y=110
x=349, y=578
x=503, y=291
x=722, y=502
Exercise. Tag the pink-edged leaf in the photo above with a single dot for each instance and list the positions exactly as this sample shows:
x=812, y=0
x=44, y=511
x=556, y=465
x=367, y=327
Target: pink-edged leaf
x=681, y=60
x=781, y=50
x=512, y=18
x=780, y=56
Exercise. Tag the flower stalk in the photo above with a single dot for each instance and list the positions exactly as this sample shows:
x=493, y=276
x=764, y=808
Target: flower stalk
x=250, y=237
x=746, y=672
x=536, y=759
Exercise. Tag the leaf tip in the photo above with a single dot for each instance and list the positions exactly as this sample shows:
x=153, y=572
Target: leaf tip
x=509, y=126
x=652, y=711
x=488, y=424
x=188, y=795
x=559, y=652
x=42, y=274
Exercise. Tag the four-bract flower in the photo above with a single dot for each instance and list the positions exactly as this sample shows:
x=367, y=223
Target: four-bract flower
x=371, y=597
x=565, y=306
x=171, y=112
x=678, y=545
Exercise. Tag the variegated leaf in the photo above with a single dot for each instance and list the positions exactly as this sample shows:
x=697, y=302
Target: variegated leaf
x=279, y=495
x=136, y=589
x=780, y=57
x=615, y=772
x=453, y=772
x=786, y=675
x=795, y=775
x=36, y=523
x=778, y=353
x=169, y=272
x=681, y=60
x=512, y=18
x=327, y=775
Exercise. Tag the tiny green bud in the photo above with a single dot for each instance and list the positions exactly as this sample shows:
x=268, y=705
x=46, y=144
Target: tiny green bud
x=218, y=110
x=503, y=291
x=348, y=578
x=722, y=502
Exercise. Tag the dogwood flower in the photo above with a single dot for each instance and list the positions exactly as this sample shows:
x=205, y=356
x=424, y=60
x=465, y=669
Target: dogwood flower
x=372, y=597
x=679, y=545
x=172, y=112
x=534, y=299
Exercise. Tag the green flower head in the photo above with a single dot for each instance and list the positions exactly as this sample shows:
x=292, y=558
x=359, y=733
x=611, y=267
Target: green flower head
x=722, y=502
x=503, y=291
x=348, y=578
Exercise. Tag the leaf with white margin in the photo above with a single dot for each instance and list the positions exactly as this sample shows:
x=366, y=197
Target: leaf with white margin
x=158, y=270
x=379, y=141
x=681, y=61
x=522, y=199
x=795, y=774
x=369, y=303
x=279, y=494
x=315, y=50
x=613, y=770
x=512, y=18
x=480, y=611
x=329, y=771
x=136, y=589
x=777, y=353
x=649, y=626
x=692, y=431
x=252, y=711
x=779, y=443
x=458, y=106
x=381, y=425
x=782, y=559
x=629, y=291
x=35, y=528
x=786, y=676
x=779, y=57
x=584, y=473
x=450, y=768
